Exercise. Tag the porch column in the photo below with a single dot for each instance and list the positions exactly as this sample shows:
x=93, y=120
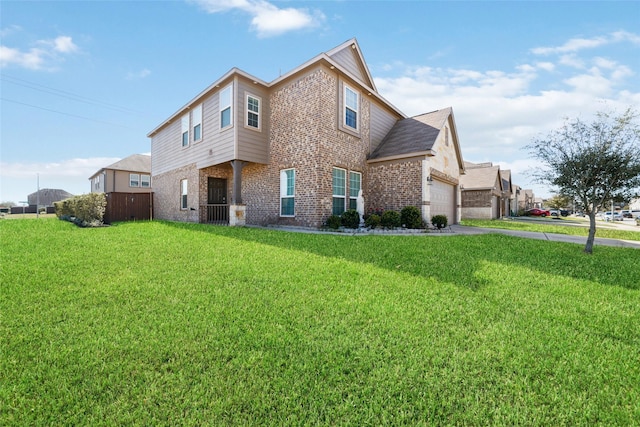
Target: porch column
x=236, y=193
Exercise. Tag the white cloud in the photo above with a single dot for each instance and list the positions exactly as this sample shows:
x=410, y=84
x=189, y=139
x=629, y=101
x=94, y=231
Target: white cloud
x=578, y=44
x=138, y=74
x=17, y=180
x=44, y=55
x=267, y=20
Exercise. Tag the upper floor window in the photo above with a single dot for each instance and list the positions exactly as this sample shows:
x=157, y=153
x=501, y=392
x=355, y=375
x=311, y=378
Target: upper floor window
x=196, y=119
x=351, y=107
x=226, y=118
x=134, y=180
x=253, y=111
x=185, y=130
x=287, y=192
x=145, y=181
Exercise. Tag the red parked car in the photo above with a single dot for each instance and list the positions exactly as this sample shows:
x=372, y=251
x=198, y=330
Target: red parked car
x=538, y=212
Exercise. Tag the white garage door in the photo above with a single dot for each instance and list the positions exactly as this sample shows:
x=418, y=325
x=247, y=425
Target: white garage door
x=443, y=200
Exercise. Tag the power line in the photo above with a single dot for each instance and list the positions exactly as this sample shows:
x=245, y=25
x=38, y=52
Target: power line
x=65, y=114
x=65, y=94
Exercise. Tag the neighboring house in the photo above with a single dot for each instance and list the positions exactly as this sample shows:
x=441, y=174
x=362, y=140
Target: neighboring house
x=129, y=175
x=506, y=205
x=526, y=201
x=482, y=189
x=634, y=204
x=127, y=186
x=300, y=148
x=46, y=197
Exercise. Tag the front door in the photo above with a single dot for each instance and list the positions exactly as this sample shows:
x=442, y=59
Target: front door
x=217, y=209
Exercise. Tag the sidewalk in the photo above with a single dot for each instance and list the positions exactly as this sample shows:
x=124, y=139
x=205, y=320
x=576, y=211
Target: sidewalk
x=464, y=230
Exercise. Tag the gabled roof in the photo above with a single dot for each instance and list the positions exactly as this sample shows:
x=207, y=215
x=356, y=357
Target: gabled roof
x=416, y=136
x=346, y=59
x=133, y=163
x=481, y=178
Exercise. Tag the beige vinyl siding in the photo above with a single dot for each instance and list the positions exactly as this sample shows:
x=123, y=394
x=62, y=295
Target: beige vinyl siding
x=380, y=124
x=348, y=59
x=252, y=144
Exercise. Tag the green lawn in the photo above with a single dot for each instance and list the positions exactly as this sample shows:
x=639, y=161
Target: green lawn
x=156, y=323
x=559, y=226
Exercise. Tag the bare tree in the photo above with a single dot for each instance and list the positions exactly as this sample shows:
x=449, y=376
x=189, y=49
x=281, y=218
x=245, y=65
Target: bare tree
x=592, y=162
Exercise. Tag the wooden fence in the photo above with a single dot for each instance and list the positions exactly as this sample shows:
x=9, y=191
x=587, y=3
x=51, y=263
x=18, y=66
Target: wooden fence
x=128, y=207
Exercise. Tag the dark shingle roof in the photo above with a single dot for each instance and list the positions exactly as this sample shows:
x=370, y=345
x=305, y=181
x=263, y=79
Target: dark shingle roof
x=412, y=135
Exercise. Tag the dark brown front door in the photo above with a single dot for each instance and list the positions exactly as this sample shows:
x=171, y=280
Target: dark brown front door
x=217, y=209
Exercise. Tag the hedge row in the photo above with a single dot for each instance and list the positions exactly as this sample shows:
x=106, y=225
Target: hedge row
x=86, y=210
x=408, y=217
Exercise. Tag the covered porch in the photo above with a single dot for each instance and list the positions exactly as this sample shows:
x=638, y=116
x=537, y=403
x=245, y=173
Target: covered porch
x=221, y=194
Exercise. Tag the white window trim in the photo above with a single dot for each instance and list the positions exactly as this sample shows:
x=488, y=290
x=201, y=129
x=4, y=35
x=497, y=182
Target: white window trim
x=223, y=107
x=184, y=191
x=346, y=189
x=247, y=112
x=283, y=191
x=196, y=120
x=349, y=186
x=131, y=175
x=344, y=108
x=185, y=129
x=148, y=180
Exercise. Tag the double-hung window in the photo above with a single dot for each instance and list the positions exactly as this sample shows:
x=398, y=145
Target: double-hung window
x=355, y=184
x=185, y=130
x=253, y=112
x=145, y=181
x=134, y=180
x=339, y=190
x=351, y=107
x=226, y=118
x=183, y=194
x=287, y=192
x=196, y=119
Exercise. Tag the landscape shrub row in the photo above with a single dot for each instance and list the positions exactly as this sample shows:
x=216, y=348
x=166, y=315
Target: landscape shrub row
x=409, y=217
x=86, y=210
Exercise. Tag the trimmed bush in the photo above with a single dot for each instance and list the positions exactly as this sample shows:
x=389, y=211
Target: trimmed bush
x=372, y=221
x=411, y=217
x=439, y=221
x=86, y=210
x=390, y=219
x=334, y=222
x=351, y=218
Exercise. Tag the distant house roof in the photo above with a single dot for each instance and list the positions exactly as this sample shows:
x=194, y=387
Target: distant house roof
x=134, y=163
x=480, y=178
x=413, y=135
x=47, y=196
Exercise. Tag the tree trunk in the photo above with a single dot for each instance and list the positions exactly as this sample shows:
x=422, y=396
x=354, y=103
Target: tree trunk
x=592, y=233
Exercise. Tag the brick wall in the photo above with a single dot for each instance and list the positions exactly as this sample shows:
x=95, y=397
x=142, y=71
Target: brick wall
x=394, y=185
x=167, y=194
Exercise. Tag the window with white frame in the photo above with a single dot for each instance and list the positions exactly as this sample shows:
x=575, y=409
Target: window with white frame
x=145, y=181
x=96, y=182
x=183, y=194
x=253, y=111
x=185, y=130
x=196, y=120
x=351, y=107
x=134, y=180
x=339, y=190
x=226, y=116
x=287, y=192
x=355, y=185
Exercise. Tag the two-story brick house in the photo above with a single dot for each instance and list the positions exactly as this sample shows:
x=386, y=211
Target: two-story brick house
x=297, y=149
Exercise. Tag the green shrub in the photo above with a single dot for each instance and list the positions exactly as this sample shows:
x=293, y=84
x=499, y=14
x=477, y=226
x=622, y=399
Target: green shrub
x=390, y=219
x=86, y=210
x=372, y=221
x=439, y=221
x=411, y=217
x=351, y=218
x=334, y=222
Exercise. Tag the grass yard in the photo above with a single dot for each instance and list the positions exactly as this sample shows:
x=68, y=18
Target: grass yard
x=158, y=323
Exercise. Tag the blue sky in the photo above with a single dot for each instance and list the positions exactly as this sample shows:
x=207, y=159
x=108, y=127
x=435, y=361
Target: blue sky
x=83, y=82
